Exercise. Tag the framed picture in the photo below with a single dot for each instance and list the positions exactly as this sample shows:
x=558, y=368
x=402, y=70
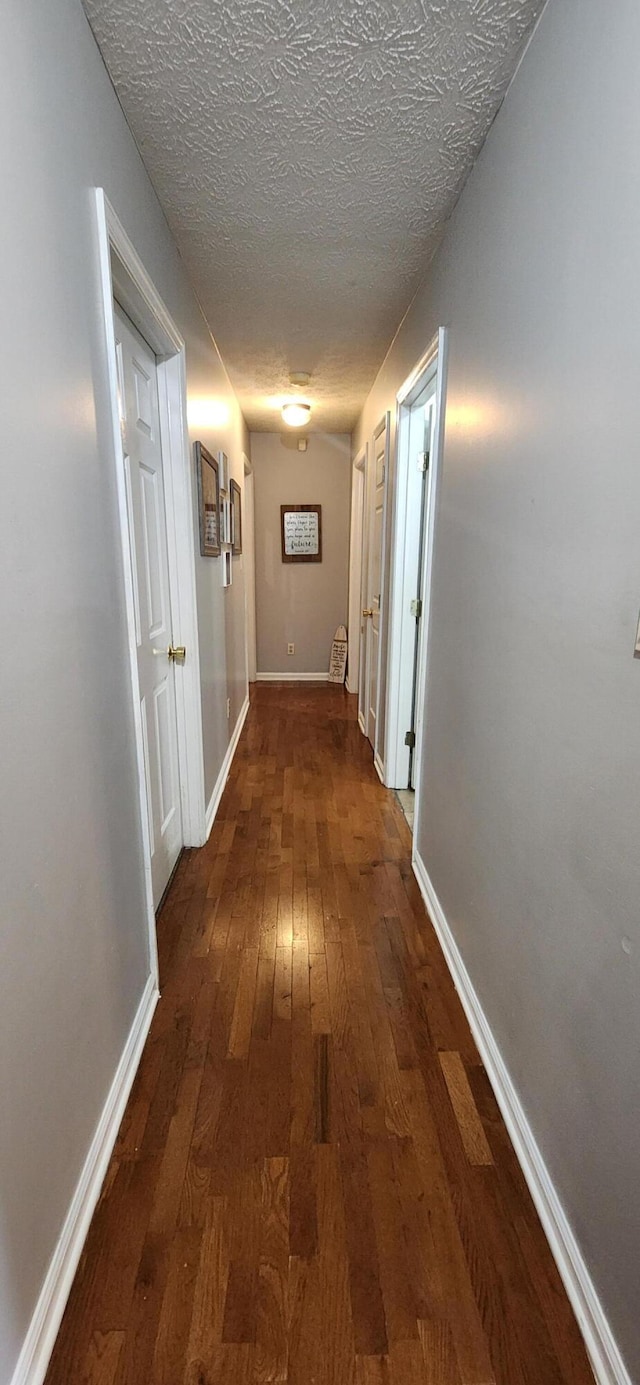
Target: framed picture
x=208, y=502
x=223, y=466
x=301, y=533
x=236, y=519
x=227, y=568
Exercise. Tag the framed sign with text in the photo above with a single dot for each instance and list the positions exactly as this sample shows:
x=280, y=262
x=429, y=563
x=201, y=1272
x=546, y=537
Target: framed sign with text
x=301, y=533
x=236, y=519
x=208, y=501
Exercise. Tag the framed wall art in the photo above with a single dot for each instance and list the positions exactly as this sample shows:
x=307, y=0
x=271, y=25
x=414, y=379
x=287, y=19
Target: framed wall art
x=223, y=467
x=236, y=518
x=208, y=501
x=301, y=533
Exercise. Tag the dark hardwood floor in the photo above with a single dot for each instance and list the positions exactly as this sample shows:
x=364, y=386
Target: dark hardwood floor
x=312, y=1182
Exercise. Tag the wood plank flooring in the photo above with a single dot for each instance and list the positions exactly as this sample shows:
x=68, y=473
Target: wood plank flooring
x=312, y=1183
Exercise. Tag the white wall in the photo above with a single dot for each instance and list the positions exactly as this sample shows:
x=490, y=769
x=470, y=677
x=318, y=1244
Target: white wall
x=72, y=925
x=531, y=783
x=301, y=603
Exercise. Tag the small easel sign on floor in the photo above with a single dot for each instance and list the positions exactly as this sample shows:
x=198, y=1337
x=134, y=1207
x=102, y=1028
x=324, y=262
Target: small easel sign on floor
x=338, y=660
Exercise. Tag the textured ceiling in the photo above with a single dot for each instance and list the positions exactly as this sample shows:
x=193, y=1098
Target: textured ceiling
x=307, y=155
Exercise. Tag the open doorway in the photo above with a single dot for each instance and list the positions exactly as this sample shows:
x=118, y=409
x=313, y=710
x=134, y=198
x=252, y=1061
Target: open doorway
x=420, y=429
x=420, y=415
x=249, y=564
x=372, y=611
x=366, y=577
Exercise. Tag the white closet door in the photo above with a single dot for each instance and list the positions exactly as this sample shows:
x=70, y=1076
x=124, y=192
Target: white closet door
x=142, y=460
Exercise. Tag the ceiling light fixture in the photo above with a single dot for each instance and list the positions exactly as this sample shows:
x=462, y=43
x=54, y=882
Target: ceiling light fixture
x=296, y=414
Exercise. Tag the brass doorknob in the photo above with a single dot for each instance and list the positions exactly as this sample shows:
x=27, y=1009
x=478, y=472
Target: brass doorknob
x=367, y=611
x=177, y=653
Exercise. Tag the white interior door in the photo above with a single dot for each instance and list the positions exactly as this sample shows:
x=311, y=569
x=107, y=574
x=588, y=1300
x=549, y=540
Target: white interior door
x=375, y=569
x=142, y=458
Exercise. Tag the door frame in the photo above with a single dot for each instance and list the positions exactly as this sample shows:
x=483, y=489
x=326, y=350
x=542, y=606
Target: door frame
x=433, y=362
x=249, y=565
x=357, y=566
x=384, y=424
x=124, y=279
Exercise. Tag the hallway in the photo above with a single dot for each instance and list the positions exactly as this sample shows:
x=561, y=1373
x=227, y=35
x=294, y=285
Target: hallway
x=312, y=1182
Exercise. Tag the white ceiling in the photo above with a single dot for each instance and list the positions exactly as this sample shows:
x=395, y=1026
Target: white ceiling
x=307, y=155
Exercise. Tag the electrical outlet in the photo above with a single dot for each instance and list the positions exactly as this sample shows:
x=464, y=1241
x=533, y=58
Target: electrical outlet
x=291, y=649
x=228, y=708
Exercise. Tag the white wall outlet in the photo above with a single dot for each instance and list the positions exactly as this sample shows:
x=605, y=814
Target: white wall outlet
x=291, y=649
x=228, y=708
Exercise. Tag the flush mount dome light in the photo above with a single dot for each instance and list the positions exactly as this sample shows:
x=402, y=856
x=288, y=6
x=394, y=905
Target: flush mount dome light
x=295, y=414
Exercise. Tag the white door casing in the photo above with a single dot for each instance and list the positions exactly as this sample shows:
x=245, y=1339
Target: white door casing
x=356, y=570
x=431, y=370
x=363, y=652
x=378, y=471
x=410, y=675
x=408, y=551
x=249, y=566
x=144, y=484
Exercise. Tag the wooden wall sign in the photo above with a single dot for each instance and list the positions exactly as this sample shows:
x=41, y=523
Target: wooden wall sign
x=301, y=533
x=208, y=501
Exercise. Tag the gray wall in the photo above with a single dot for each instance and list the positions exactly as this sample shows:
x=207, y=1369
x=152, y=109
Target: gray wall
x=73, y=935
x=300, y=602
x=531, y=784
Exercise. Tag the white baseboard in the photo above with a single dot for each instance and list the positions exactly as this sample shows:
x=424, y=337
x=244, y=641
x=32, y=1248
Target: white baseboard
x=607, y=1363
x=379, y=767
x=361, y=724
x=45, y=1323
x=292, y=677
x=214, y=801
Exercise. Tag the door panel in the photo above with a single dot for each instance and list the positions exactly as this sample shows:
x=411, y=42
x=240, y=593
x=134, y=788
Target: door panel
x=132, y=543
x=144, y=484
x=152, y=535
x=147, y=773
x=144, y=398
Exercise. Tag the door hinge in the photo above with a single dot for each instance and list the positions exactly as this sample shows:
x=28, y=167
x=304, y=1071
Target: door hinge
x=416, y=608
x=423, y=461
x=410, y=739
